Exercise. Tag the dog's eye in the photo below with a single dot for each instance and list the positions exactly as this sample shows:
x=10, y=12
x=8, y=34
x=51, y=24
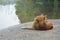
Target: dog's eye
x=37, y=20
x=44, y=18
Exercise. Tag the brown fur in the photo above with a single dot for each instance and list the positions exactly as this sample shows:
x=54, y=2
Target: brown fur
x=41, y=23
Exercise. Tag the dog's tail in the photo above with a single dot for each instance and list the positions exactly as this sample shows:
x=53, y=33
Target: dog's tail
x=28, y=27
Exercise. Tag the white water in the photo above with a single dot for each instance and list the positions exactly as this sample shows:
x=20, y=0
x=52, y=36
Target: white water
x=7, y=16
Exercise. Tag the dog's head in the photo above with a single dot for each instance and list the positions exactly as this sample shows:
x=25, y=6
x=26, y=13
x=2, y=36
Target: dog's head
x=40, y=18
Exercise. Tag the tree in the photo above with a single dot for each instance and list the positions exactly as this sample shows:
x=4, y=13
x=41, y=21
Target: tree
x=25, y=10
x=55, y=10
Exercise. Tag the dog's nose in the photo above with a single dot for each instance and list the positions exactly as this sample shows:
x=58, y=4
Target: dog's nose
x=41, y=24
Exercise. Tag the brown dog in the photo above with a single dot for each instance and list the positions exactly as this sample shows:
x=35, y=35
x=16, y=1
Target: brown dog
x=41, y=23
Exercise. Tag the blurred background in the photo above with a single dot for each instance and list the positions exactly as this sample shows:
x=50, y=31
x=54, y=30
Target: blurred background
x=13, y=12
x=28, y=9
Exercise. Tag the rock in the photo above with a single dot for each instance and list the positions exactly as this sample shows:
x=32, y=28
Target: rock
x=16, y=33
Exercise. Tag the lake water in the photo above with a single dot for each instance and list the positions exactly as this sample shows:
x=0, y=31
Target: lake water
x=7, y=16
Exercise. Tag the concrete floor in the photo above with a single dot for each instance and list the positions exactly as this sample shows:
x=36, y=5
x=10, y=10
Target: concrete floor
x=16, y=33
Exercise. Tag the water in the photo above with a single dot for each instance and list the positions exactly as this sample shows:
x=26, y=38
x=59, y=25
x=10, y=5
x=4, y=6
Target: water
x=7, y=16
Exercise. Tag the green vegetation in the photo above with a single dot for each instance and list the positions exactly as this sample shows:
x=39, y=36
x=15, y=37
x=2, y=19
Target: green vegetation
x=28, y=9
x=25, y=10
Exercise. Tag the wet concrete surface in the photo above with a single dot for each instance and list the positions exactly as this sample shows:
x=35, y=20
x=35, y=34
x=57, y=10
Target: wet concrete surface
x=16, y=33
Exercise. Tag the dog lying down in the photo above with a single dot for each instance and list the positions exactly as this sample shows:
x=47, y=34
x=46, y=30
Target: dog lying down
x=40, y=23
